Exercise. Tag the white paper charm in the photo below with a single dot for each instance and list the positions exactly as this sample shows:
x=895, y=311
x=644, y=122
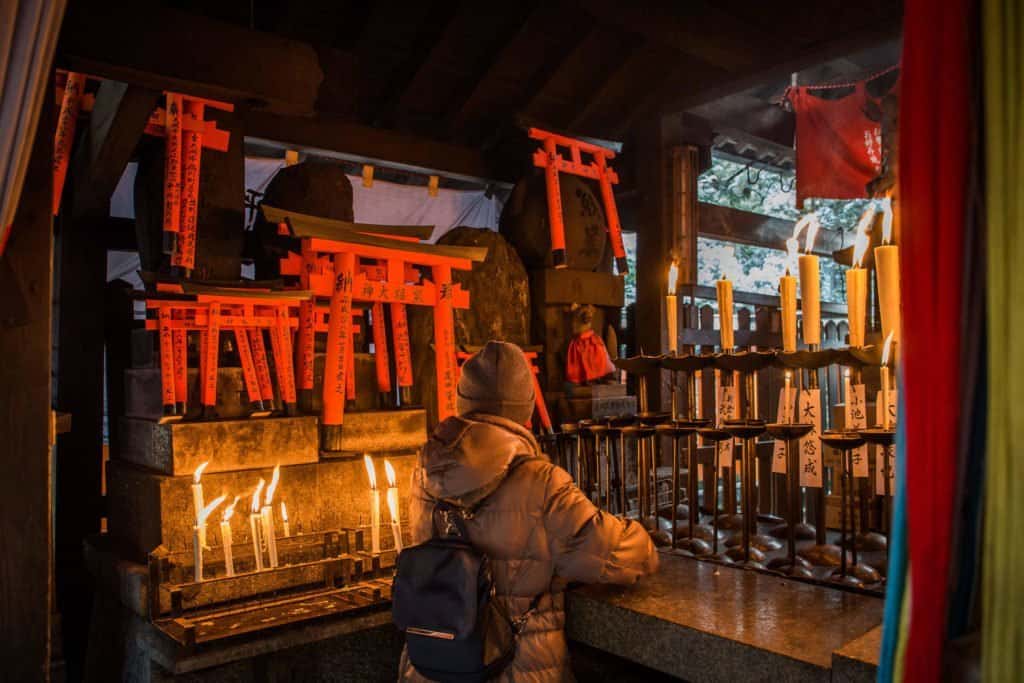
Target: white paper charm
x=810, y=445
x=728, y=409
x=857, y=418
x=779, y=452
x=890, y=451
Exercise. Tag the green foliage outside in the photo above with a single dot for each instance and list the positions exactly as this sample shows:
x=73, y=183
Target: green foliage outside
x=756, y=268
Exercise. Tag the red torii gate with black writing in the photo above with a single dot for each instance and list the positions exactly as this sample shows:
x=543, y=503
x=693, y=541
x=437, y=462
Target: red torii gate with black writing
x=356, y=262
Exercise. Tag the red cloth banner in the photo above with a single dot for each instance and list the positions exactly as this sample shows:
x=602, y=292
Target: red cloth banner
x=838, y=145
x=935, y=131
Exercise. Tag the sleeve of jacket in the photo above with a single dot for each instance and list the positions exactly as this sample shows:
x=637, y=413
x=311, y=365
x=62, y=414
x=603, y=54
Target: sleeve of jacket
x=589, y=545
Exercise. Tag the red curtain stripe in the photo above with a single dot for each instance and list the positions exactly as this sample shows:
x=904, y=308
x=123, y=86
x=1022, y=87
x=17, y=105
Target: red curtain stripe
x=934, y=128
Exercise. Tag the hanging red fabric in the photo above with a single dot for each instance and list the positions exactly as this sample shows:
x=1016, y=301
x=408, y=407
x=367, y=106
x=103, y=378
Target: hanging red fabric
x=838, y=146
x=587, y=359
x=935, y=126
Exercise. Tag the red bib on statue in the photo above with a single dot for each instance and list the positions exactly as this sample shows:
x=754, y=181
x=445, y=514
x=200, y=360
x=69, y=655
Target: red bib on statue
x=587, y=359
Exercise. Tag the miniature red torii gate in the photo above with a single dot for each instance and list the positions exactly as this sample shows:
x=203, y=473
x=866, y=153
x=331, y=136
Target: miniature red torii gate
x=173, y=312
x=331, y=264
x=598, y=169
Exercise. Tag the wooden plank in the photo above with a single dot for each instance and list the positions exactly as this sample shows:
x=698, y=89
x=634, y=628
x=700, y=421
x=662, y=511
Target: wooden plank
x=117, y=122
x=327, y=226
x=320, y=229
x=553, y=287
x=26, y=505
x=734, y=225
x=166, y=49
x=331, y=137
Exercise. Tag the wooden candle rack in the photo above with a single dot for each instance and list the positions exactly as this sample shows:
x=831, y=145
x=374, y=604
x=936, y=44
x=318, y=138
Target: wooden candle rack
x=322, y=575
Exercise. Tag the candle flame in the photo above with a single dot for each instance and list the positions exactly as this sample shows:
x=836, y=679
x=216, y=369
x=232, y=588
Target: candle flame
x=284, y=512
x=273, y=485
x=256, y=496
x=230, y=509
x=390, y=472
x=812, y=231
x=886, y=207
x=673, y=277
x=846, y=373
x=370, y=472
x=789, y=375
x=886, y=349
x=862, y=238
x=205, y=512
x=199, y=472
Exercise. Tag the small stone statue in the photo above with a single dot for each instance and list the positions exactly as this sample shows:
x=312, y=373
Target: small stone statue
x=587, y=361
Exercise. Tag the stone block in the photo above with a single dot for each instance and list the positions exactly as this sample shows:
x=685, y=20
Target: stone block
x=552, y=287
x=177, y=448
x=381, y=431
x=143, y=397
x=147, y=509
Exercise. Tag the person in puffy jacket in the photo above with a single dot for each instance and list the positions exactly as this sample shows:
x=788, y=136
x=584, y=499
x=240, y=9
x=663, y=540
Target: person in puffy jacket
x=539, y=530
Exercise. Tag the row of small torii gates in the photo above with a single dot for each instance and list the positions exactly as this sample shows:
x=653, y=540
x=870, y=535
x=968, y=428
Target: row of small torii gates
x=338, y=263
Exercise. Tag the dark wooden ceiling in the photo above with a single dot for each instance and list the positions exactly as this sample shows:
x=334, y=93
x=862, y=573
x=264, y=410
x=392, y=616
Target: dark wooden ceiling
x=461, y=70
x=468, y=73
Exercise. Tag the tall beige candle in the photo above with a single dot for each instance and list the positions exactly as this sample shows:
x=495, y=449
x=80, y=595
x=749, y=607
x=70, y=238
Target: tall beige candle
x=810, y=298
x=810, y=284
x=787, y=295
x=857, y=280
x=725, y=311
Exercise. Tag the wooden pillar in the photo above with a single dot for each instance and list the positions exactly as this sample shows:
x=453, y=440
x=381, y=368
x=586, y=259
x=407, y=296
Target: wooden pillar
x=26, y=505
x=669, y=153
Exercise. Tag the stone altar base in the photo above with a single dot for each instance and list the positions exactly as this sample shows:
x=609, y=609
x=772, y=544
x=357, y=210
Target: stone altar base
x=704, y=622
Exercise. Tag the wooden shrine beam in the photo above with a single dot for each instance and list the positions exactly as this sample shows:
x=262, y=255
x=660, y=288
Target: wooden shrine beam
x=117, y=122
x=324, y=136
x=733, y=225
x=166, y=49
x=26, y=429
x=780, y=64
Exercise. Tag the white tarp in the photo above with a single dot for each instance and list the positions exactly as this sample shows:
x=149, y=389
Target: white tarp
x=385, y=203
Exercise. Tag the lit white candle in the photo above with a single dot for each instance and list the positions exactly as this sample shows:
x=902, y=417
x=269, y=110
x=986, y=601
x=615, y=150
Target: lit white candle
x=197, y=498
x=886, y=350
x=199, y=535
x=254, y=526
x=225, y=538
x=267, y=518
x=284, y=520
x=846, y=398
x=393, y=510
x=374, y=506
x=672, y=310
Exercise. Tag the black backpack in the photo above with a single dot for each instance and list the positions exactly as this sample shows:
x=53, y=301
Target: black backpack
x=443, y=600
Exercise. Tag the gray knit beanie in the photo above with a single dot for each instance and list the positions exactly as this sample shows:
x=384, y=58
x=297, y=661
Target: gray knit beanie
x=497, y=380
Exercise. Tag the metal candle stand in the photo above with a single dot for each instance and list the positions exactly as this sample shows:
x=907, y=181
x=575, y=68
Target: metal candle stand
x=791, y=565
x=649, y=429
x=822, y=553
x=715, y=435
x=855, y=574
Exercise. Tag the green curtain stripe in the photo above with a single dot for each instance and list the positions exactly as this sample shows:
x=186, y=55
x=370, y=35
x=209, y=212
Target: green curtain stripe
x=1003, y=578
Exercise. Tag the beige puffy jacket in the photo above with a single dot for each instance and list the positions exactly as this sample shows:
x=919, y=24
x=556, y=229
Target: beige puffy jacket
x=538, y=529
